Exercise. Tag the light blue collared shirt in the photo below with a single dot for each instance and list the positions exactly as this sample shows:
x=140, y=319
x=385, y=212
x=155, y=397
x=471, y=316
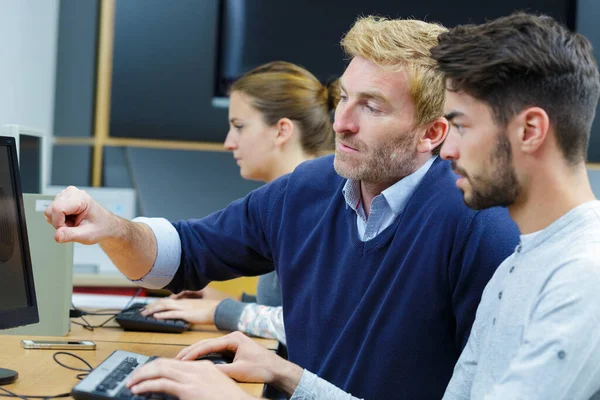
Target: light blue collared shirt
x=386, y=206
x=384, y=210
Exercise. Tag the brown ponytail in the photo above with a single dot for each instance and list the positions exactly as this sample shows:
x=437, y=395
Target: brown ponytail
x=284, y=90
x=333, y=94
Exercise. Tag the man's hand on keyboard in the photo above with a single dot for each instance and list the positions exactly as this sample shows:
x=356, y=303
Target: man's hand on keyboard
x=187, y=380
x=252, y=362
x=195, y=311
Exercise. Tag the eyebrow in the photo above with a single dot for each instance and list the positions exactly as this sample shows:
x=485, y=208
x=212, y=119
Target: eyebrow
x=451, y=115
x=368, y=95
x=232, y=120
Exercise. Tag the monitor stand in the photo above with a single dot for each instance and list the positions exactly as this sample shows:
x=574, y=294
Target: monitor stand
x=7, y=376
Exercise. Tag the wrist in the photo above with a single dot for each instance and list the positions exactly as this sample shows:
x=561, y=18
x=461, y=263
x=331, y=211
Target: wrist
x=286, y=376
x=115, y=230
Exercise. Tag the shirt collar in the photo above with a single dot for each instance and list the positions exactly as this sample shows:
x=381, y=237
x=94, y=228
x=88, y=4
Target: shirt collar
x=396, y=195
x=566, y=225
x=351, y=192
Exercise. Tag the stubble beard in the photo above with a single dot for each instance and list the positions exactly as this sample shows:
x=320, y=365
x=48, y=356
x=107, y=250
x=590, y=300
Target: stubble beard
x=500, y=186
x=389, y=162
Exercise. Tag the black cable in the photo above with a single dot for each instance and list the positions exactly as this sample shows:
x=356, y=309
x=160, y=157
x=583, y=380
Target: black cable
x=132, y=297
x=58, y=353
x=11, y=394
x=91, y=327
x=55, y=396
x=81, y=376
x=25, y=397
x=77, y=313
x=102, y=313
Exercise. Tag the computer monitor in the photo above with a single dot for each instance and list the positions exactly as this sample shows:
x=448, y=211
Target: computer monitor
x=30, y=162
x=18, y=304
x=31, y=156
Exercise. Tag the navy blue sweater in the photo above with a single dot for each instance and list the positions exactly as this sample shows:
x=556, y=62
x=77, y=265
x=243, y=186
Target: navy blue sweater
x=383, y=319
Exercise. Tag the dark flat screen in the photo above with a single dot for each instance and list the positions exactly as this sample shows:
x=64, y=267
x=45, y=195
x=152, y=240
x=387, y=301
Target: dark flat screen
x=13, y=293
x=308, y=32
x=30, y=163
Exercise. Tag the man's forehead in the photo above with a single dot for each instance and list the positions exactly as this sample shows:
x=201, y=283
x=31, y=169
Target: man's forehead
x=461, y=104
x=364, y=76
x=451, y=105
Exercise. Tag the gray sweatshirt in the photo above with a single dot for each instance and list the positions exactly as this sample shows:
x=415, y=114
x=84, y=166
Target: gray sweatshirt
x=268, y=293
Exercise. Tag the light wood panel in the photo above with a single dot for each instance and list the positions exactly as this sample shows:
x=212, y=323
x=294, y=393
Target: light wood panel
x=103, y=82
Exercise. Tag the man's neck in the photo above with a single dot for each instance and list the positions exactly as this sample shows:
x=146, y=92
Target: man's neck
x=550, y=195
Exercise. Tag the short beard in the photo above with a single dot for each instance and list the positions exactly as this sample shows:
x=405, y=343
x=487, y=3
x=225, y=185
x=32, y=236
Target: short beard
x=500, y=186
x=389, y=162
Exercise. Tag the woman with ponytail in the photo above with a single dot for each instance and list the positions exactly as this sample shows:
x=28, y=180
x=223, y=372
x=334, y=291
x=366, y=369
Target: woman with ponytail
x=279, y=117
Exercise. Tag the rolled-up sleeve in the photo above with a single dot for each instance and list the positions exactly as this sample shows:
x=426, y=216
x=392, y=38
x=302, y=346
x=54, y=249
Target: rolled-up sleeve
x=168, y=255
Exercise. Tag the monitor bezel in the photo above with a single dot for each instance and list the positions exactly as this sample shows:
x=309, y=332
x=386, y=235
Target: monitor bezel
x=25, y=315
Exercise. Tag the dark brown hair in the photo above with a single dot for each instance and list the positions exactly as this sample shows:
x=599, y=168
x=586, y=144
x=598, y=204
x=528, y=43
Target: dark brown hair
x=525, y=60
x=284, y=90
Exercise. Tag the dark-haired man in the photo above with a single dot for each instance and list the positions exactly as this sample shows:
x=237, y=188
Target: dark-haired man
x=521, y=99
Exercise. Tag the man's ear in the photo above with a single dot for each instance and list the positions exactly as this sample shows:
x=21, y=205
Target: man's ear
x=533, y=125
x=285, y=130
x=434, y=135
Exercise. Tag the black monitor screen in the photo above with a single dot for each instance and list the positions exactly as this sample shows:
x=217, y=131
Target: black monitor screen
x=30, y=163
x=17, y=295
x=308, y=32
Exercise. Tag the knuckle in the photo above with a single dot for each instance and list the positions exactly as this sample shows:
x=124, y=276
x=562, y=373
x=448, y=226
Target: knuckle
x=237, y=335
x=203, y=365
x=161, y=368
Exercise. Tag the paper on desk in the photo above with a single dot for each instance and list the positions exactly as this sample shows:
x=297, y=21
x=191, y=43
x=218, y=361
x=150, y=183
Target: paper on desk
x=82, y=300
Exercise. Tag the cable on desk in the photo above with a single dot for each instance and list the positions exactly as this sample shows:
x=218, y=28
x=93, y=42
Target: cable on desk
x=58, y=353
x=54, y=396
x=81, y=314
x=25, y=397
x=11, y=394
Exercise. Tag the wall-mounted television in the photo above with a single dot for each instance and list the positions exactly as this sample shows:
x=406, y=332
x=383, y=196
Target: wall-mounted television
x=174, y=61
x=308, y=32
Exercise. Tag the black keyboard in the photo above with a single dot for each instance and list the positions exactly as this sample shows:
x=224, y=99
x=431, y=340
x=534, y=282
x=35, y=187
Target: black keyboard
x=130, y=319
x=107, y=381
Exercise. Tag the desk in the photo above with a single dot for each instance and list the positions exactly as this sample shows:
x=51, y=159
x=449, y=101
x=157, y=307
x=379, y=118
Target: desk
x=113, y=333
x=39, y=374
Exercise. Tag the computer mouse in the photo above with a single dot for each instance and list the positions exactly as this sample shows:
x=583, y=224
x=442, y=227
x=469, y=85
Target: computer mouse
x=217, y=358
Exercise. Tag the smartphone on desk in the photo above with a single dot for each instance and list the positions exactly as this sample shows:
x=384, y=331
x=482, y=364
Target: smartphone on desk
x=58, y=345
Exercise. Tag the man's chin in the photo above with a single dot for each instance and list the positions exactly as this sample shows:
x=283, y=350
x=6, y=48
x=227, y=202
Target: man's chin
x=469, y=199
x=344, y=168
x=479, y=203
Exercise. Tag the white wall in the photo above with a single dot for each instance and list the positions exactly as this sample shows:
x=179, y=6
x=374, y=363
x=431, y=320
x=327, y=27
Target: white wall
x=28, y=43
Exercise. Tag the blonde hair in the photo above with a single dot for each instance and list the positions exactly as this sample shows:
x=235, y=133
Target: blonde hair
x=284, y=90
x=403, y=45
